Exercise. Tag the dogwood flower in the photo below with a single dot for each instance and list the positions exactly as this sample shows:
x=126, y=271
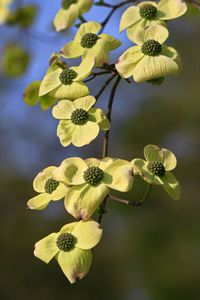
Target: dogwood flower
x=67, y=83
x=80, y=122
x=156, y=169
x=90, y=181
x=87, y=42
x=48, y=189
x=71, y=247
x=139, y=19
x=70, y=11
x=149, y=60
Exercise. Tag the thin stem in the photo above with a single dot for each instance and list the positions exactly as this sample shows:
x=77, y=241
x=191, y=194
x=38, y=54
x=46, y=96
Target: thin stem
x=93, y=75
x=105, y=146
x=82, y=19
x=108, y=114
x=134, y=203
x=114, y=7
x=104, y=86
x=194, y=3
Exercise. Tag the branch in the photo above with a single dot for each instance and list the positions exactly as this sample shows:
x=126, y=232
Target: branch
x=105, y=146
x=134, y=203
x=104, y=86
x=194, y=3
x=93, y=75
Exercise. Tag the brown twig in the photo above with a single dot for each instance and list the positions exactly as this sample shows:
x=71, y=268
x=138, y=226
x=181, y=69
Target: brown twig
x=194, y=3
x=105, y=85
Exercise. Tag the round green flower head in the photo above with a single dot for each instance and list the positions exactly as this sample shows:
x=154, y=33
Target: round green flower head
x=67, y=76
x=93, y=175
x=150, y=60
x=148, y=11
x=65, y=241
x=79, y=116
x=67, y=83
x=71, y=10
x=151, y=48
x=51, y=185
x=48, y=189
x=90, y=182
x=88, y=42
x=71, y=247
x=66, y=3
x=156, y=169
x=147, y=19
x=80, y=122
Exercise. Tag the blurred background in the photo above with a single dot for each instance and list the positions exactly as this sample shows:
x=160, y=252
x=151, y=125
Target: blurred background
x=146, y=253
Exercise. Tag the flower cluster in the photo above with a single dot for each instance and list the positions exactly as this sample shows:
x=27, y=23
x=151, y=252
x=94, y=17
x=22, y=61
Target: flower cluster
x=85, y=184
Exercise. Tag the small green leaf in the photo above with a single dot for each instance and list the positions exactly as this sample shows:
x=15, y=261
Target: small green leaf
x=31, y=92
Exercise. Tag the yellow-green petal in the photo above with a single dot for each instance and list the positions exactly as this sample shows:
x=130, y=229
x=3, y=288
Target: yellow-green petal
x=50, y=82
x=71, y=171
x=166, y=157
x=46, y=248
x=88, y=234
x=63, y=109
x=90, y=162
x=171, y=9
x=85, y=102
x=66, y=17
x=41, y=178
x=100, y=51
x=173, y=54
x=171, y=185
x=140, y=167
x=39, y=202
x=72, y=50
x=59, y=193
x=47, y=102
x=119, y=175
x=112, y=42
x=155, y=32
x=81, y=201
x=84, y=134
x=128, y=61
x=68, y=227
x=85, y=67
x=150, y=67
x=98, y=115
x=75, y=264
x=65, y=132
x=89, y=27
x=129, y=17
x=84, y=5
x=31, y=92
x=72, y=91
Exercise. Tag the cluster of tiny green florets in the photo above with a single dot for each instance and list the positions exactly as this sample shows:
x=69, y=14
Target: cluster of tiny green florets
x=151, y=48
x=156, y=168
x=65, y=241
x=51, y=185
x=66, y=3
x=89, y=40
x=79, y=116
x=67, y=76
x=93, y=175
x=148, y=11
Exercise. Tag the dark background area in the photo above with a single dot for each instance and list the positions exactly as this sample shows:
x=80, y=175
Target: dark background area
x=146, y=253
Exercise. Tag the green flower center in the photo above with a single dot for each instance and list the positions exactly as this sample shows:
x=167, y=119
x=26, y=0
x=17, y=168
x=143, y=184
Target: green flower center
x=65, y=241
x=89, y=40
x=156, y=168
x=50, y=185
x=148, y=11
x=93, y=175
x=67, y=76
x=79, y=116
x=151, y=48
x=66, y=3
